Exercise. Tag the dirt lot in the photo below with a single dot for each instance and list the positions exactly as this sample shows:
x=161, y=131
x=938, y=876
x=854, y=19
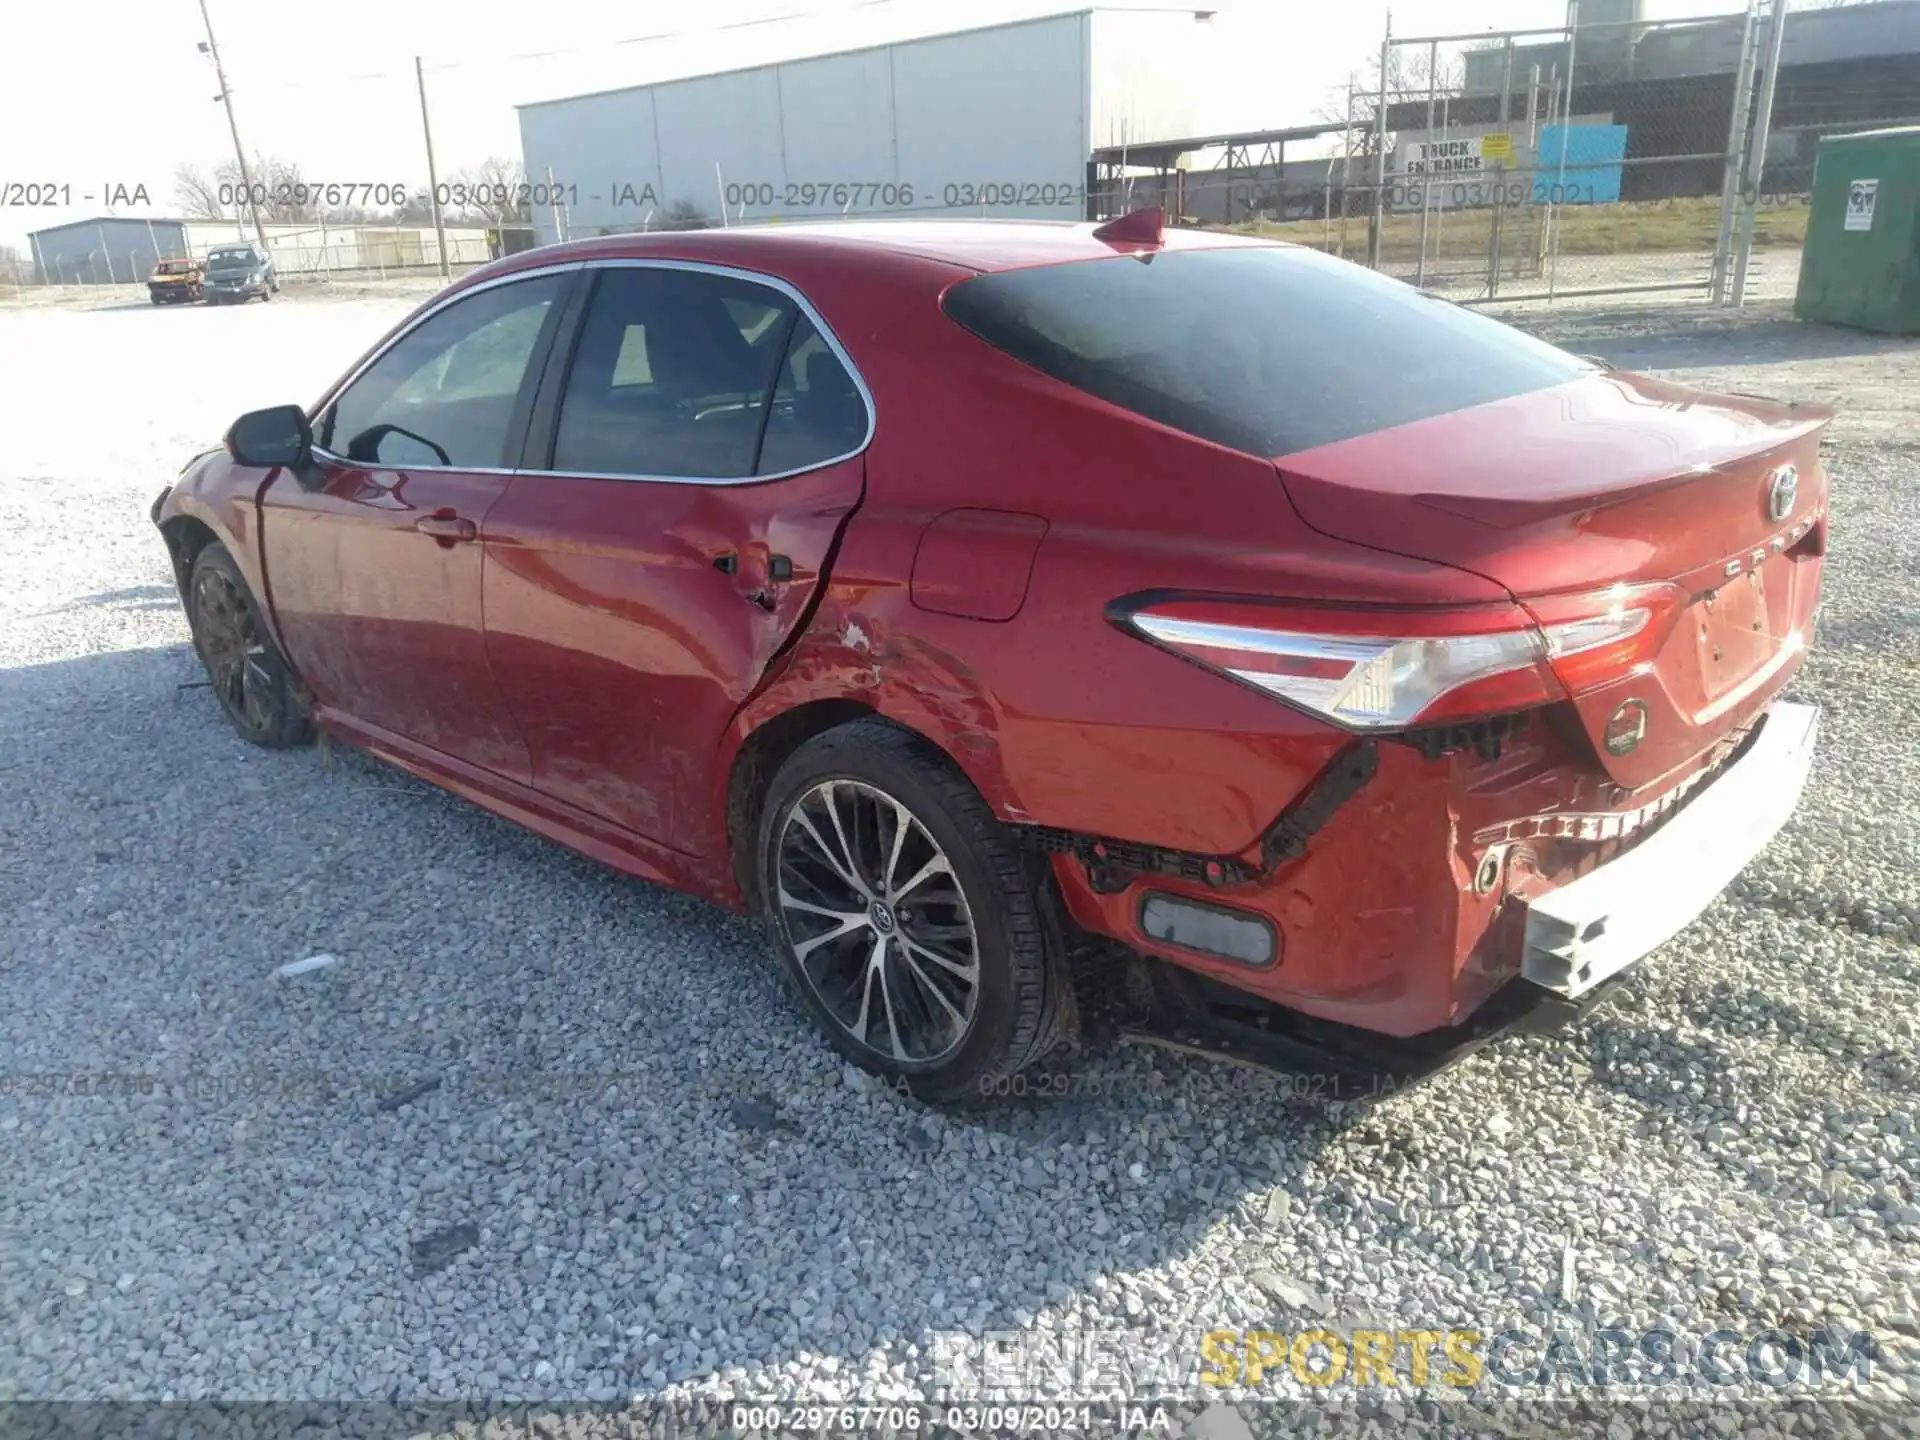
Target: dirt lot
x=540, y=1133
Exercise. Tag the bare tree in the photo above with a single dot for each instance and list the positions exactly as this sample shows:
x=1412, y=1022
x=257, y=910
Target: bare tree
x=495, y=191
x=278, y=189
x=197, y=196
x=283, y=195
x=1411, y=75
x=416, y=209
x=684, y=215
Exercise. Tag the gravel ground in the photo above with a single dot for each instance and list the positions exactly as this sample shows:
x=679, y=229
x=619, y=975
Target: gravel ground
x=542, y=1133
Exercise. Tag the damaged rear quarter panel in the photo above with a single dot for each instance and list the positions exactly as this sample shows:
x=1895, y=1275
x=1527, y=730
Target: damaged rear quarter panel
x=1041, y=712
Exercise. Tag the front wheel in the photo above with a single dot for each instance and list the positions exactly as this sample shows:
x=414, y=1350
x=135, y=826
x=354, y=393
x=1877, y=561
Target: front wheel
x=251, y=679
x=911, y=926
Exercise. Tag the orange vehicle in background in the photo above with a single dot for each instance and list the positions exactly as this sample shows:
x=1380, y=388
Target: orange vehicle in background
x=175, y=281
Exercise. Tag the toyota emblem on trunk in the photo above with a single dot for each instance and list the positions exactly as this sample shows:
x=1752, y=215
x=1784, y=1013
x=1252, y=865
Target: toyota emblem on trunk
x=1626, y=728
x=1782, y=488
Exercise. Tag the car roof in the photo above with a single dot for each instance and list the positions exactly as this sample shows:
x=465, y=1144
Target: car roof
x=980, y=245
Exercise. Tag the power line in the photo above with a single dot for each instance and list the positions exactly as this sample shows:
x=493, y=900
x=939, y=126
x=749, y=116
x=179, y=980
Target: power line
x=484, y=62
x=654, y=37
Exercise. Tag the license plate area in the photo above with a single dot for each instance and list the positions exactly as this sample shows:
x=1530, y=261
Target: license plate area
x=1733, y=632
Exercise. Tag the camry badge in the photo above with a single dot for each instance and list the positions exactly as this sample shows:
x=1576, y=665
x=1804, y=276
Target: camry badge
x=1626, y=728
x=1783, y=487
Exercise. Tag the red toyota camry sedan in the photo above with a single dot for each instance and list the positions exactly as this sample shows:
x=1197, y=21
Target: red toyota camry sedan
x=962, y=596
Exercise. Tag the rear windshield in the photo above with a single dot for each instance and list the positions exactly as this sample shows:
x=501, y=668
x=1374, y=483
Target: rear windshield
x=1266, y=350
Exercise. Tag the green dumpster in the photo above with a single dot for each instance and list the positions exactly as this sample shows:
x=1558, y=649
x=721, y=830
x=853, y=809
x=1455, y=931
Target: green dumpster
x=1861, y=262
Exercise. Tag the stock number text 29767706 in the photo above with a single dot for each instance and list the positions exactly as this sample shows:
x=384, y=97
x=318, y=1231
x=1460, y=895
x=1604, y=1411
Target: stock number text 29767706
x=865, y=196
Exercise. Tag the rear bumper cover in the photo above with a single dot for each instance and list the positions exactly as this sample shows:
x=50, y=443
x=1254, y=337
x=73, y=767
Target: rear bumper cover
x=1589, y=929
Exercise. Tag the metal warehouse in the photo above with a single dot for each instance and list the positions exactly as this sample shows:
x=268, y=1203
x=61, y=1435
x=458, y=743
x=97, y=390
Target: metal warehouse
x=994, y=121
x=122, y=249
x=112, y=249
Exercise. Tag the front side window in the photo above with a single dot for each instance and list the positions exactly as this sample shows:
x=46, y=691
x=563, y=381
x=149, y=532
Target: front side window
x=674, y=375
x=444, y=394
x=1270, y=350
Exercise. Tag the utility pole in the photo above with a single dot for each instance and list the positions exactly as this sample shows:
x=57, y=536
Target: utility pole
x=433, y=175
x=225, y=97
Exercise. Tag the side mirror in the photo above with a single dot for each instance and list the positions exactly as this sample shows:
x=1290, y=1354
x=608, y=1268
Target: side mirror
x=277, y=436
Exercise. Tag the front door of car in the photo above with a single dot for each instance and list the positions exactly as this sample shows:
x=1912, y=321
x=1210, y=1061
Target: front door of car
x=687, y=472
x=374, y=565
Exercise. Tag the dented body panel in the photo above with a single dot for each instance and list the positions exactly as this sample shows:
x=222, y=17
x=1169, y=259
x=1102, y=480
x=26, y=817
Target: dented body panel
x=624, y=648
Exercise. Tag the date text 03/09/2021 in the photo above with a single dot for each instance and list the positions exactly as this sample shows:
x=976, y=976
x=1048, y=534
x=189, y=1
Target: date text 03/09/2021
x=906, y=1418
x=775, y=196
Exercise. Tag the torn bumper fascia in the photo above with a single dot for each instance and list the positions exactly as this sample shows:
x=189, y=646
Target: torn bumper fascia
x=1590, y=929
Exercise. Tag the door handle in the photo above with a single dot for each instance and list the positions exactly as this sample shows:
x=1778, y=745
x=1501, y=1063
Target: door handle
x=445, y=526
x=779, y=572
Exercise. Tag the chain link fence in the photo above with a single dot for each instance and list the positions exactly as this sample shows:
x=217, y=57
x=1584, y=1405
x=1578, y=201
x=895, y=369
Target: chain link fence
x=1605, y=156
x=1598, y=157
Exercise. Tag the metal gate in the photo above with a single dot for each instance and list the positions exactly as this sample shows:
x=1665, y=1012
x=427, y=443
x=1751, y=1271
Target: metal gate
x=1607, y=155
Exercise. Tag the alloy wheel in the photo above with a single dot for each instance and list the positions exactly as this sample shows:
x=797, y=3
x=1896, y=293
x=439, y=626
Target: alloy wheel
x=877, y=922
x=234, y=650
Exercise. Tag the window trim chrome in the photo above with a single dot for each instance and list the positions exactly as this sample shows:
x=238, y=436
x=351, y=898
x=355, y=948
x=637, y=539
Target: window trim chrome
x=620, y=262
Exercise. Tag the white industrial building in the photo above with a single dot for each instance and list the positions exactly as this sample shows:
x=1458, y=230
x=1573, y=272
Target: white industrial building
x=998, y=121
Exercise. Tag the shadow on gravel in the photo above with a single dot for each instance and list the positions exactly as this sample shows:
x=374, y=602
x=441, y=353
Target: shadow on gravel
x=130, y=597
x=1765, y=342
x=530, y=1113
x=1661, y=337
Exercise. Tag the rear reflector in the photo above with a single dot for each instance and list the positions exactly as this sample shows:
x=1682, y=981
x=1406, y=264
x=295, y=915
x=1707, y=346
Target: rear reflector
x=1381, y=669
x=1210, y=929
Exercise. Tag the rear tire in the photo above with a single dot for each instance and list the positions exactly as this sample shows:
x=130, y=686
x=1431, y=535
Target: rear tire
x=251, y=679
x=906, y=919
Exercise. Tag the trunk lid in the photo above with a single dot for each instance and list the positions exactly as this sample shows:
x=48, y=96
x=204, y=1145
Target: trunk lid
x=1611, y=479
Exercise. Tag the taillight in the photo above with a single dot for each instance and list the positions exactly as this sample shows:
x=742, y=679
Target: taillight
x=1386, y=669
x=1601, y=636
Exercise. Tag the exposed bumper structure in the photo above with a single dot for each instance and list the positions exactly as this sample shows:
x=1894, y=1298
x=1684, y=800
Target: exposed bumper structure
x=1590, y=929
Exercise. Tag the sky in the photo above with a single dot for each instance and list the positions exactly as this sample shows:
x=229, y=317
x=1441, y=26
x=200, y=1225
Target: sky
x=101, y=102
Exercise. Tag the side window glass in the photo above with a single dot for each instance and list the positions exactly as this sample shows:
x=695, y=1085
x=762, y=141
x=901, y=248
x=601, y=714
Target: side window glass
x=444, y=393
x=671, y=375
x=818, y=414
